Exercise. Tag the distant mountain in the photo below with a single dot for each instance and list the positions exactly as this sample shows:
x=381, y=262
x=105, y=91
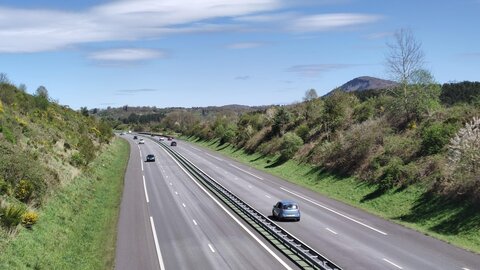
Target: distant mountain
x=367, y=83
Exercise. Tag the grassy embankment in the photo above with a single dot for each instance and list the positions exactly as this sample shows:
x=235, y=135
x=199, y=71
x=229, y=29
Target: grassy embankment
x=413, y=207
x=77, y=226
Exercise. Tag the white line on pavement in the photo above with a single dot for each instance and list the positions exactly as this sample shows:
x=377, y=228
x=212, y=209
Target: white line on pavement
x=184, y=205
x=283, y=263
x=464, y=268
x=170, y=183
x=247, y=172
x=250, y=186
x=399, y=267
x=145, y=188
x=331, y=231
x=268, y=196
x=333, y=211
x=211, y=248
x=157, y=246
x=176, y=193
x=194, y=222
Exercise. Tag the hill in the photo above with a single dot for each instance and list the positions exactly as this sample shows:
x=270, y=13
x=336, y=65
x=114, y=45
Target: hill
x=367, y=83
x=43, y=146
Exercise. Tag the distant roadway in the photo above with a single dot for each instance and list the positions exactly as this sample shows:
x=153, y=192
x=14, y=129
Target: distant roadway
x=194, y=232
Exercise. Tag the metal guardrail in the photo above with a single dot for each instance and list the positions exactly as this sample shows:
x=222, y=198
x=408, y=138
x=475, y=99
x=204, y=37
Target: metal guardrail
x=299, y=252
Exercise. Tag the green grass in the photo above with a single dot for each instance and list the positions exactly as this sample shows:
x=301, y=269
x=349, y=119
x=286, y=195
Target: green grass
x=455, y=222
x=77, y=226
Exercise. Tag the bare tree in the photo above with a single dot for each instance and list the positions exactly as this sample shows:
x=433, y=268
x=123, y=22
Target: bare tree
x=310, y=94
x=4, y=78
x=405, y=56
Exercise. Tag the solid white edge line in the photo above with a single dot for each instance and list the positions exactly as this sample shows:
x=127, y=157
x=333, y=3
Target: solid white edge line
x=284, y=264
x=157, y=246
x=331, y=231
x=194, y=222
x=211, y=248
x=398, y=266
x=145, y=189
x=247, y=172
x=141, y=164
x=333, y=211
x=464, y=268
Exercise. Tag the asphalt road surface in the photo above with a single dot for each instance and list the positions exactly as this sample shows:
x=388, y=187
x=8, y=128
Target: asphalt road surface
x=350, y=237
x=168, y=221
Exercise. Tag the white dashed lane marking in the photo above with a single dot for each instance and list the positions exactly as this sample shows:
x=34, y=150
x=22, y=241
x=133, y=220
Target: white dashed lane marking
x=396, y=265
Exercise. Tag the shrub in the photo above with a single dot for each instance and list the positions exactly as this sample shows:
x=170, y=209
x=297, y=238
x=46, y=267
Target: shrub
x=77, y=160
x=302, y=131
x=11, y=214
x=23, y=190
x=290, y=144
x=463, y=162
x=435, y=137
x=8, y=135
x=29, y=218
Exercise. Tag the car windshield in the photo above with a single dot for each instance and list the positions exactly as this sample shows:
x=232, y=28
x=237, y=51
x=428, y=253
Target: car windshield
x=290, y=207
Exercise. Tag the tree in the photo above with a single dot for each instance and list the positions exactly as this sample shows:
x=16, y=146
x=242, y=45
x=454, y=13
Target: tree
x=310, y=95
x=84, y=111
x=4, y=78
x=404, y=62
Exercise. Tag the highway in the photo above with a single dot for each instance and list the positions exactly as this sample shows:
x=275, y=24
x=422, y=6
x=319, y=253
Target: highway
x=168, y=221
x=350, y=237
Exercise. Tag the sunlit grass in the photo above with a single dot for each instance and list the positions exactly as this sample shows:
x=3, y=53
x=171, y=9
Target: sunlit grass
x=77, y=226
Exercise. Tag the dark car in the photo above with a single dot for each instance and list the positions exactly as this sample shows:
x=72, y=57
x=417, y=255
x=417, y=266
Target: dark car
x=150, y=157
x=286, y=209
x=134, y=137
x=170, y=138
x=173, y=144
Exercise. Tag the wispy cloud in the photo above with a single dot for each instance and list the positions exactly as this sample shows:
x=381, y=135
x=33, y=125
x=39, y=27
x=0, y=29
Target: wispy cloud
x=126, y=55
x=242, y=78
x=316, y=69
x=379, y=35
x=245, y=45
x=329, y=22
x=43, y=30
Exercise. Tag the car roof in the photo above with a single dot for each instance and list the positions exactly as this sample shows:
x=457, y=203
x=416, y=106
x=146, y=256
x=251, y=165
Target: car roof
x=150, y=155
x=288, y=202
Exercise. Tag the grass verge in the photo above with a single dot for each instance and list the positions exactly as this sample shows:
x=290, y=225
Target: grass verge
x=77, y=226
x=454, y=222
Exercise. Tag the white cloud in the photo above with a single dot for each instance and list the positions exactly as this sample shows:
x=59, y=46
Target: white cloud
x=33, y=30
x=126, y=55
x=245, y=45
x=334, y=21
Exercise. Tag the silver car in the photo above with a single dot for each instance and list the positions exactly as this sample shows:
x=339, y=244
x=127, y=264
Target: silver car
x=286, y=209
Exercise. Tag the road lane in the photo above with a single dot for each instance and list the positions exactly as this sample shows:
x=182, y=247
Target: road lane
x=192, y=231
x=363, y=241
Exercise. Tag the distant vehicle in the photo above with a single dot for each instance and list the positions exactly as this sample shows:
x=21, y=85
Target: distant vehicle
x=122, y=133
x=161, y=139
x=129, y=132
x=150, y=157
x=170, y=138
x=141, y=141
x=173, y=144
x=134, y=137
x=286, y=209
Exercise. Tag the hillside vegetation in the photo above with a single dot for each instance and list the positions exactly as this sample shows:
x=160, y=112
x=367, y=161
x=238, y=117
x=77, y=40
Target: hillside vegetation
x=43, y=146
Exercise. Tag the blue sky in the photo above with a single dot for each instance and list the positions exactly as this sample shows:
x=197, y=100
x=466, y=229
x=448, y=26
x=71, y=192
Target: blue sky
x=215, y=52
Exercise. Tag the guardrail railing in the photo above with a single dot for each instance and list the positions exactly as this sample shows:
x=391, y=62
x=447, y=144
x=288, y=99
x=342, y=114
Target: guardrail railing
x=299, y=252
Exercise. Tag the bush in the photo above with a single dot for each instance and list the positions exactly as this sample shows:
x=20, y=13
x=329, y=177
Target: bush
x=435, y=137
x=29, y=218
x=11, y=214
x=290, y=145
x=23, y=190
x=302, y=131
x=77, y=160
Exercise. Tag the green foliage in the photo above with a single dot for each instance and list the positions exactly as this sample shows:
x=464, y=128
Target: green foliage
x=8, y=134
x=337, y=110
x=463, y=92
x=302, y=131
x=11, y=214
x=435, y=137
x=290, y=144
x=280, y=121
